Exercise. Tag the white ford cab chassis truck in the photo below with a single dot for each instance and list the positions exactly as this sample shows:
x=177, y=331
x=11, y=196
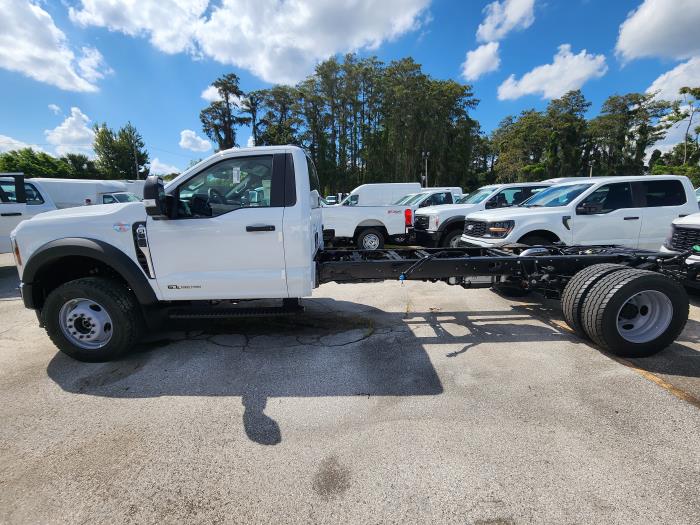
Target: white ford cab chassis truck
x=367, y=227
x=246, y=224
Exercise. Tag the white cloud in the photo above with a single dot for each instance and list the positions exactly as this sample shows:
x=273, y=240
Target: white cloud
x=161, y=168
x=566, y=72
x=73, y=135
x=55, y=108
x=503, y=17
x=31, y=44
x=211, y=94
x=9, y=144
x=92, y=65
x=276, y=41
x=685, y=74
x=189, y=140
x=483, y=59
x=661, y=28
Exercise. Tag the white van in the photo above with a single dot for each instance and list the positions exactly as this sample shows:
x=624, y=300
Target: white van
x=381, y=194
x=19, y=200
x=69, y=193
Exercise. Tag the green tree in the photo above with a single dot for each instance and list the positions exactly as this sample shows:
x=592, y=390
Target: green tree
x=81, y=166
x=33, y=164
x=121, y=154
x=221, y=118
x=687, y=109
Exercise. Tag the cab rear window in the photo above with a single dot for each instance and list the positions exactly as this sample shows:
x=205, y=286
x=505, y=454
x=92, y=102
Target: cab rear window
x=655, y=193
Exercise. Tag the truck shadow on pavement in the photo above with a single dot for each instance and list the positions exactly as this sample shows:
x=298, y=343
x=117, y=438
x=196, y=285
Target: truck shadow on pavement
x=335, y=348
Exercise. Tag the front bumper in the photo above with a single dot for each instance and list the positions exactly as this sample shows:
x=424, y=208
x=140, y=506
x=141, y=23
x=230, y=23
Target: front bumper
x=484, y=242
x=427, y=238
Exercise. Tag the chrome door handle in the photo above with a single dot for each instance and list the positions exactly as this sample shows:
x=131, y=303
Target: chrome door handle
x=13, y=214
x=631, y=218
x=260, y=228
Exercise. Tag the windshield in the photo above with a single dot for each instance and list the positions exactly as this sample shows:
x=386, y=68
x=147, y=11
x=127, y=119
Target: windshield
x=480, y=195
x=416, y=198
x=125, y=197
x=556, y=196
x=405, y=198
x=462, y=199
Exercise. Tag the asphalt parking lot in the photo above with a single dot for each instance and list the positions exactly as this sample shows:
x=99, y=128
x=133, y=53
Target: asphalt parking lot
x=381, y=403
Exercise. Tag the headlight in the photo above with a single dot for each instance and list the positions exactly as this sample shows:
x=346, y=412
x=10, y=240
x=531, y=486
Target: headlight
x=668, y=243
x=433, y=222
x=499, y=229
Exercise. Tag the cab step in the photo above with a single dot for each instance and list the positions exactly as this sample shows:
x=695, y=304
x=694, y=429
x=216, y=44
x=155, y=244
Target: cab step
x=227, y=313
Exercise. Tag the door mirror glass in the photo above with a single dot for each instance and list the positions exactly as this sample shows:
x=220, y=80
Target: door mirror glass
x=154, y=197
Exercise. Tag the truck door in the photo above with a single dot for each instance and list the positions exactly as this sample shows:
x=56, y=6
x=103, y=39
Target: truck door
x=608, y=215
x=662, y=201
x=227, y=240
x=12, y=208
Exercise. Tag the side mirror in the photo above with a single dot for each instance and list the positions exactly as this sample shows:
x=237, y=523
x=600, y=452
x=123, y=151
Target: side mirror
x=154, y=197
x=589, y=208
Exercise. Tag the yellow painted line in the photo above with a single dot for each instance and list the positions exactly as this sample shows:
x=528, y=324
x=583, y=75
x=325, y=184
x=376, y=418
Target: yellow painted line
x=673, y=390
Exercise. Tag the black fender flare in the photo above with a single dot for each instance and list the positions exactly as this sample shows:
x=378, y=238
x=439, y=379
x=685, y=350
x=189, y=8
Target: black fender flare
x=93, y=249
x=446, y=225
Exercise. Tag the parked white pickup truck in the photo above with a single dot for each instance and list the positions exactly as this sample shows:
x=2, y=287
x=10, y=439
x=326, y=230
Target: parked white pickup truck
x=626, y=211
x=367, y=227
x=19, y=200
x=443, y=225
x=246, y=224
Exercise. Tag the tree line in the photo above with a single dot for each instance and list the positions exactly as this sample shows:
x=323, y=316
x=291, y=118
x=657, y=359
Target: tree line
x=119, y=154
x=363, y=120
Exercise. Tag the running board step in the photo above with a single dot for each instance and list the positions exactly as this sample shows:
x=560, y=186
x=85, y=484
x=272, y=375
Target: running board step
x=226, y=313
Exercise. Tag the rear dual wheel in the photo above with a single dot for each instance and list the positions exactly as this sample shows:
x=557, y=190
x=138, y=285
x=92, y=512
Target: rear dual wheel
x=628, y=312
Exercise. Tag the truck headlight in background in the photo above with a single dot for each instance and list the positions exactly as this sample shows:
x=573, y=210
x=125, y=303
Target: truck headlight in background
x=433, y=222
x=499, y=229
x=668, y=243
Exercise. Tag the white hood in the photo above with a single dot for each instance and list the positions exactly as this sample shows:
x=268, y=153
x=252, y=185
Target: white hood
x=86, y=212
x=452, y=209
x=514, y=213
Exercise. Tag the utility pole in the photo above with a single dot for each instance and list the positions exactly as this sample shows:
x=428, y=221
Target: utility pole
x=136, y=163
x=425, y=155
x=590, y=171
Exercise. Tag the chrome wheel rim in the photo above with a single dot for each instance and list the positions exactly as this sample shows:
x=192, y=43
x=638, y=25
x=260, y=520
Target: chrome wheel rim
x=86, y=323
x=370, y=241
x=644, y=316
x=454, y=242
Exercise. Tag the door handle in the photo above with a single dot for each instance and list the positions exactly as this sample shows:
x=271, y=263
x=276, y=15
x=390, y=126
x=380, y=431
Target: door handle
x=13, y=214
x=683, y=215
x=260, y=228
x=631, y=218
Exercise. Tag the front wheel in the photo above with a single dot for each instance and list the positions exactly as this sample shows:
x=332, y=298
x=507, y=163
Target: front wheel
x=370, y=239
x=451, y=239
x=635, y=313
x=92, y=319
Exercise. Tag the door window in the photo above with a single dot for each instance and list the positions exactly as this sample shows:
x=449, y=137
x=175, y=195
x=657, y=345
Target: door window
x=611, y=197
x=7, y=193
x=513, y=196
x=655, y=193
x=108, y=199
x=244, y=182
x=438, y=198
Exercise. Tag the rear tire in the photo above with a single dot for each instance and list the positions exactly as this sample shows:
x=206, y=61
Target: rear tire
x=93, y=319
x=451, y=239
x=635, y=313
x=370, y=239
x=576, y=291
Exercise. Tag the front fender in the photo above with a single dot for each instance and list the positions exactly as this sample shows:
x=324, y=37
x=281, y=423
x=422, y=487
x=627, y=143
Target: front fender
x=101, y=251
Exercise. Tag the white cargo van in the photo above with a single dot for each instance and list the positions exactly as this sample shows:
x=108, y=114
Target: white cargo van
x=19, y=200
x=381, y=194
x=68, y=193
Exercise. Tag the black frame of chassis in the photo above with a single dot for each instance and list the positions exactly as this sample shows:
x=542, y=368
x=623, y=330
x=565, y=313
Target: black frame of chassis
x=543, y=268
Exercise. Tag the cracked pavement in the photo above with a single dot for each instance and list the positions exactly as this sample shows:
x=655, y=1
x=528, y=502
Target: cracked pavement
x=381, y=403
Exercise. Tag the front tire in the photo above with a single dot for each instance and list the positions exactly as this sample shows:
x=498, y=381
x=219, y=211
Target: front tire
x=92, y=319
x=370, y=239
x=451, y=239
x=635, y=313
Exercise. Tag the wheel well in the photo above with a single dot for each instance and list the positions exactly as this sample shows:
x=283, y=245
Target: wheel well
x=64, y=269
x=552, y=237
x=454, y=225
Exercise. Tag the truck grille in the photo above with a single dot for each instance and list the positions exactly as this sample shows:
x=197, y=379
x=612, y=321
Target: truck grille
x=421, y=222
x=683, y=239
x=474, y=228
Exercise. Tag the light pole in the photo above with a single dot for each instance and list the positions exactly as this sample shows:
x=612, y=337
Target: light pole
x=425, y=155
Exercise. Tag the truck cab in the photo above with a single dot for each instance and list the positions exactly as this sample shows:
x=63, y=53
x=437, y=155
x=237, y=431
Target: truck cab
x=19, y=200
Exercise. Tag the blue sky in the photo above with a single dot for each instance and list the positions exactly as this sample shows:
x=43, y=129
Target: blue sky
x=67, y=64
